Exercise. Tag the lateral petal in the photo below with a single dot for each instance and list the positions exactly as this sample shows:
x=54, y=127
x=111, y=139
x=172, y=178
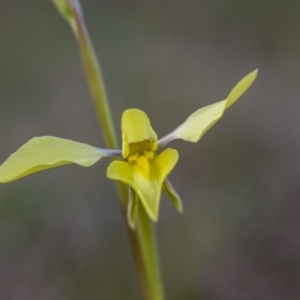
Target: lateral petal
x=204, y=118
x=173, y=195
x=132, y=208
x=41, y=153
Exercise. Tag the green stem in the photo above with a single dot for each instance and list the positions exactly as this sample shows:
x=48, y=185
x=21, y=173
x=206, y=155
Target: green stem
x=95, y=80
x=153, y=288
x=142, y=240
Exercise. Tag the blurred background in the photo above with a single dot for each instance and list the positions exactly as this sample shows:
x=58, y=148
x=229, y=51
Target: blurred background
x=61, y=231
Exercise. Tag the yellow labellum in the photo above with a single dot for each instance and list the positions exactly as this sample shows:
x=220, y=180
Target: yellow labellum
x=147, y=184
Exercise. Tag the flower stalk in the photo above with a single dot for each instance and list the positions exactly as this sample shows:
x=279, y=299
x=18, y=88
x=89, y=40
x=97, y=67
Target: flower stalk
x=94, y=78
x=147, y=238
x=142, y=239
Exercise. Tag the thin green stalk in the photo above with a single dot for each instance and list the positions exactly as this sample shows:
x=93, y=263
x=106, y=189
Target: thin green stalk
x=150, y=256
x=95, y=80
x=142, y=240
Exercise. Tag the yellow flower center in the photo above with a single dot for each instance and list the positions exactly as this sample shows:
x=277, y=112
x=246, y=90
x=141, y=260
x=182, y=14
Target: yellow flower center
x=141, y=161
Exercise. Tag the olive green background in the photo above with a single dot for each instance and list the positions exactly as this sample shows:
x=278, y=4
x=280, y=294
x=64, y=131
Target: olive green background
x=61, y=231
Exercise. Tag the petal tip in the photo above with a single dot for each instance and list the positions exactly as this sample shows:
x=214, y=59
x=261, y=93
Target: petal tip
x=153, y=215
x=254, y=73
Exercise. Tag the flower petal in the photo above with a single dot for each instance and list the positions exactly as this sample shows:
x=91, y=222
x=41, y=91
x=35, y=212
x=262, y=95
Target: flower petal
x=240, y=88
x=148, y=188
x=173, y=195
x=41, y=153
x=204, y=118
x=132, y=208
x=136, y=128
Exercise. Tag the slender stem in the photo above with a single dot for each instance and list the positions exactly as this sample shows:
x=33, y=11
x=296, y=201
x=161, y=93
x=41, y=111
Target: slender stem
x=95, y=80
x=142, y=240
x=154, y=288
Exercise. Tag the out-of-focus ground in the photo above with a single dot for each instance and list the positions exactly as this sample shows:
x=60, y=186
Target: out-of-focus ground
x=61, y=231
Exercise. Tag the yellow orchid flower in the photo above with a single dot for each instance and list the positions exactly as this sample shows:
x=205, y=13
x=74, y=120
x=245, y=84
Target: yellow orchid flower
x=143, y=167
